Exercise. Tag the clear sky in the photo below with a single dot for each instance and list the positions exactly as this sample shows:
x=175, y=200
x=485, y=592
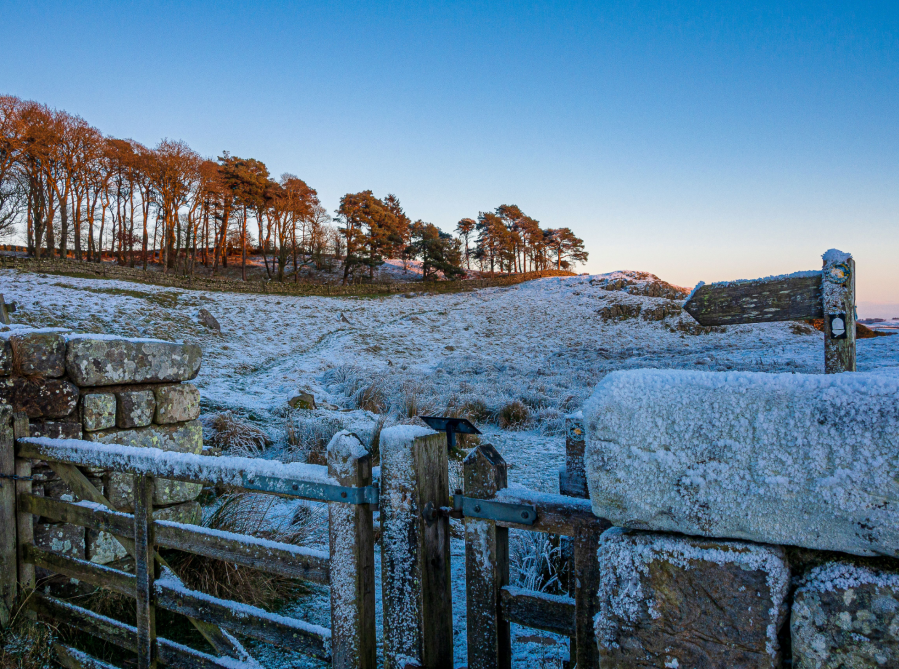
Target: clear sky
x=699, y=141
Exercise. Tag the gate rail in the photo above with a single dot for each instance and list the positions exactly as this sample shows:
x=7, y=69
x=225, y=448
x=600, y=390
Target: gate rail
x=346, y=484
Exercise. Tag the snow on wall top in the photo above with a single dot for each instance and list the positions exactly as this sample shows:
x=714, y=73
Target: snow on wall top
x=808, y=460
x=835, y=576
x=835, y=256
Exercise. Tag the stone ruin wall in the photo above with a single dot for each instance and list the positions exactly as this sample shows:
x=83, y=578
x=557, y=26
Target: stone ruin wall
x=131, y=392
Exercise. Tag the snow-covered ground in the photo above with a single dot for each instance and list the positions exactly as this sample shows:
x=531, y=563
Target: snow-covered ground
x=544, y=344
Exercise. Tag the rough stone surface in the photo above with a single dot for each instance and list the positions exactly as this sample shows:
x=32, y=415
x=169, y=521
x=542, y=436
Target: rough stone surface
x=39, y=398
x=56, y=429
x=183, y=438
x=303, y=400
x=134, y=408
x=38, y=354
x=5, y=357
x=98, y=411
x=60, y=537
x=673, y=601
x=177, y=404
x=208, y=320
x=106, y=362
x=103, y=548
x=846, y=617
x=795, y=459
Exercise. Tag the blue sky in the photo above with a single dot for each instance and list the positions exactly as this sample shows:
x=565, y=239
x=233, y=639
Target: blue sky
x=698, y=141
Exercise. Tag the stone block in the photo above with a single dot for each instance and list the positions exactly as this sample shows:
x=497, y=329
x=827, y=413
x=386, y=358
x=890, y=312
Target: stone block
x=182, y=438
x=177, y=404
x=39, y=398
x=55, y=429
x=673, y=601
x=846, y=617
x=5, y=357
x=61, y=538
x=38, y=354
x=793, y=459
x=103, y=548
x=134, y=408
x=107, y=362
x=98, y=411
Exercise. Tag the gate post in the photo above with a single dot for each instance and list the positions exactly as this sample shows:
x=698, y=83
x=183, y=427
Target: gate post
x=486, y=565
x=415, y=549
x=352, y=546
x=8, y=569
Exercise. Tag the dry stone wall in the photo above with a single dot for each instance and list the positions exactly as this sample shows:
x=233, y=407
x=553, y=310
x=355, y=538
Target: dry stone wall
x=757, y=518
x=133, y=392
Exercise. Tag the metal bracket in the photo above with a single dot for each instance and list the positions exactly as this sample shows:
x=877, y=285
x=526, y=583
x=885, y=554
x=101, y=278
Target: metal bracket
x=504, y=512
x=319, y=491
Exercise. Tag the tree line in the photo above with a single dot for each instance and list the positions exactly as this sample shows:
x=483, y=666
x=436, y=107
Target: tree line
x=73, y=190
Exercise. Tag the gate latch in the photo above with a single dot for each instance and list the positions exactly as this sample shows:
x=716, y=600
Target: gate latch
x=471, y=507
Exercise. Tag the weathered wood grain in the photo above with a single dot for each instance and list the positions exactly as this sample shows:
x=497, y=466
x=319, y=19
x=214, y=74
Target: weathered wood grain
x=8, y=558
x=538, y=610
x=351, y=541
x=24, y=522
x=296, y=637
x=556, y=514
x=145, y=571
x=415, y=560
x=84, y=571
x=759, y=301
x=486, y=564
x=287, y=561
x=586, y=581
x=72, y=658
x=123, y=635
x=839, y=354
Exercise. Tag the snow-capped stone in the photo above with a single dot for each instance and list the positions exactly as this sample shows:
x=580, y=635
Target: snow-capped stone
x=806, y=460
x=846, y=616
x=674, y=601
x=93, y=360
x=38, y=354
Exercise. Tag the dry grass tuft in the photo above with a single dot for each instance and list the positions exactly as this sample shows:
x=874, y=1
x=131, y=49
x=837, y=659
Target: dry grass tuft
x=235, y=436
x=246, y=513
x=372, y=397
x=513, y=415
x=26, y=644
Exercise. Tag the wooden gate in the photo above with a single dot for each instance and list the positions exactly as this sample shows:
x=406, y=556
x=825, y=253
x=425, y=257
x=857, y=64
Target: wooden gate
x=346, y=483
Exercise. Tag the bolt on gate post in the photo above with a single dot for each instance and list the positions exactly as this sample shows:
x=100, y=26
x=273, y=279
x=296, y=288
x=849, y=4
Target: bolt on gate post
x=415, y=549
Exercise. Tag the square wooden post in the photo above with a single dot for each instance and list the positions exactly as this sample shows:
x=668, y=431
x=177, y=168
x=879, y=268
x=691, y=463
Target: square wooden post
x=416, y=580
x=145, y=571
x=352, y=544
x=838, y=302
x=8, y=560
x=24, y=520
x=586, y=581
x=486, y=565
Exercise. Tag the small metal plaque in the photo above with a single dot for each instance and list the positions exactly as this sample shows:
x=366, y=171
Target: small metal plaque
x=837, y=326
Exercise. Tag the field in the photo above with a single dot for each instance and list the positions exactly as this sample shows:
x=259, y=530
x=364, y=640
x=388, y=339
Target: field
x=515, y=360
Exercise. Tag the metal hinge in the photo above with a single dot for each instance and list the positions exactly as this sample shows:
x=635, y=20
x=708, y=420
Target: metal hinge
x=471, y=507
x=320, y=491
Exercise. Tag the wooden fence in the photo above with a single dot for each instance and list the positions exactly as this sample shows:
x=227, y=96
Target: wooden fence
x=348, y=567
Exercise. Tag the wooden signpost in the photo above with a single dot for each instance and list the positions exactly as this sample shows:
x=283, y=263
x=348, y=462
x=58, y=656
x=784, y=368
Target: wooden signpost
x=828, y=295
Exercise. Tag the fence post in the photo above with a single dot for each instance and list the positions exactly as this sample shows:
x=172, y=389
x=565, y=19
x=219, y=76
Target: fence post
x=8, y=567
x=24, y=520
x=486, y=565
x=585, y=575
x=145, y=570
x=352, y=545
x=415, y=551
